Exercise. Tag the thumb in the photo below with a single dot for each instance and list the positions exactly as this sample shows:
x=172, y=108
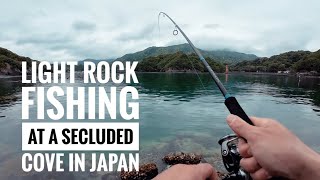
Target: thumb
x=239, y=126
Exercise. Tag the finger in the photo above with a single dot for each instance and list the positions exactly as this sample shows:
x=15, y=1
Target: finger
x=260, y=122
x=244, y=148
x=239, y=126
x=261, y=174
x=250, y=164
x=207, y=171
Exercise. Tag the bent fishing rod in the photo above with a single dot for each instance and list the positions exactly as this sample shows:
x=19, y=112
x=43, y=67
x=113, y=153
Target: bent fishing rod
x=229, y=149
x=230, y=101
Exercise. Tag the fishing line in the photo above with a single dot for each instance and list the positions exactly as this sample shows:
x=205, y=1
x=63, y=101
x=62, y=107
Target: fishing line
x=196, y=72
x=175, y=32
x=230, y=101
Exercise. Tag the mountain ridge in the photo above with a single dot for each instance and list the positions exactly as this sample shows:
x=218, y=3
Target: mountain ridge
x=224, y=56
x=293, y=61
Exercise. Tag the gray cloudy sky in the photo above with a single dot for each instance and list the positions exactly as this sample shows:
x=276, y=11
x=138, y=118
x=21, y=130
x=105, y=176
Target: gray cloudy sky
x=78, y=29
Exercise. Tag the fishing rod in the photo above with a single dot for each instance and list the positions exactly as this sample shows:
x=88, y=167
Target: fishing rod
x=230, y=101
x=229, y=149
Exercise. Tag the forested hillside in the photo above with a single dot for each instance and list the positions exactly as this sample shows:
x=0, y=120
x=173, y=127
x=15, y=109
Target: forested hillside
x=294, y=61
x=177, y=62
x=223, y=56
x=10, y=63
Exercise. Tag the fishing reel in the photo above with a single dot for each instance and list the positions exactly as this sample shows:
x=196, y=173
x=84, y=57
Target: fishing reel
x=231, y=158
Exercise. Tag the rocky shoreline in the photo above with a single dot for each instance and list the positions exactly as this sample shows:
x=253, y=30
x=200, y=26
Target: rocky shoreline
x=151, y=156
x=233, y=73
x=150, y=170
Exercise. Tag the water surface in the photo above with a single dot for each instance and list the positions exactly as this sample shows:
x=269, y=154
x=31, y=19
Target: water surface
x=178, y=112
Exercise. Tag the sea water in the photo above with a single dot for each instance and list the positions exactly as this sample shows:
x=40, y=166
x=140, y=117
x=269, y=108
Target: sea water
x=179, y=113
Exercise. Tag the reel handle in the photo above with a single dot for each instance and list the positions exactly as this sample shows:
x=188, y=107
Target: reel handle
x=235, y=108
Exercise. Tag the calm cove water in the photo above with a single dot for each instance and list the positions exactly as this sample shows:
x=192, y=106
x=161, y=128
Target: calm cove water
x=178, y=113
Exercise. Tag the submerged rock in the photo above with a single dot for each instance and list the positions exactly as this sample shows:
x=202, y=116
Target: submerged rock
x=111, y=176
x=8, y=98
x=182, y=158
x=146, y=172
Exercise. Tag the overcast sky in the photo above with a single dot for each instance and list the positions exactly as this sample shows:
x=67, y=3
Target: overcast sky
x=79, y=29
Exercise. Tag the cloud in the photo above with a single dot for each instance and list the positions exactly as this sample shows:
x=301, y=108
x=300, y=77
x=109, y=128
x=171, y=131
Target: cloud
x=83, y=26
x=104, y=29
x=138, y=34
x=211, y=26
x=44, y=39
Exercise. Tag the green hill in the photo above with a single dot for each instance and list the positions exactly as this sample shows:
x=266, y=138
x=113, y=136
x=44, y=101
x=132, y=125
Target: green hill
x=80, y=67
x=219, y=55
x=177, y=62
x=10, y=63
x=296, y=61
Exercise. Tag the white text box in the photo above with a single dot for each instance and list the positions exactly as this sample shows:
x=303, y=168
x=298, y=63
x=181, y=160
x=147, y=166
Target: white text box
x=62, y=127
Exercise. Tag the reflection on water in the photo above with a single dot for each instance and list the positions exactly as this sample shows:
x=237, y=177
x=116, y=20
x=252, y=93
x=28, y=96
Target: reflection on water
x=179, y=112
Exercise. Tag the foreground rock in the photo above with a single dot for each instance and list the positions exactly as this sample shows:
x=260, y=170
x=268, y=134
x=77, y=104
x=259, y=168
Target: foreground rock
x=182, y=158
x=146, y=172
x=187, y=158
x=8, y=98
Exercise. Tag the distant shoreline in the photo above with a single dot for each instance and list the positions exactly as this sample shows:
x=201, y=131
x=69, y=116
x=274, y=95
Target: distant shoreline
x=235, y=72
x=192, y=72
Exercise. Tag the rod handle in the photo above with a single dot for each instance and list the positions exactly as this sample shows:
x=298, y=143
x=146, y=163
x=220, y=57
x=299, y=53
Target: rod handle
x=235, y=108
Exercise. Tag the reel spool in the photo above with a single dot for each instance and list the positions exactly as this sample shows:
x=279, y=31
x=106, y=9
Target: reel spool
x=231, y=158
